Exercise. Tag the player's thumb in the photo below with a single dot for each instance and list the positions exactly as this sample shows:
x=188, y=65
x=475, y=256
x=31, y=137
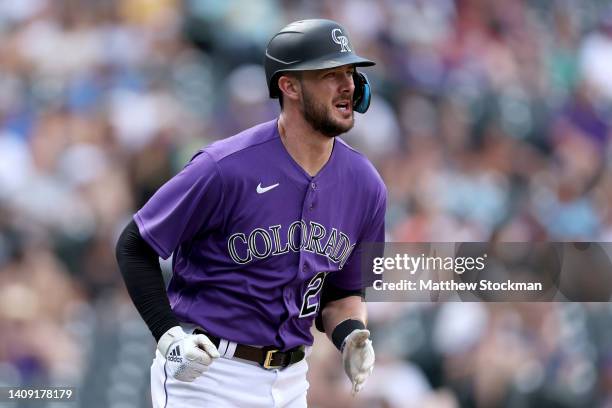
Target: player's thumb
x=205, y=344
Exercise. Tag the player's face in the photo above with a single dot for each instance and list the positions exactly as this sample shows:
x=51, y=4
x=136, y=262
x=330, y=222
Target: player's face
x=327, y=99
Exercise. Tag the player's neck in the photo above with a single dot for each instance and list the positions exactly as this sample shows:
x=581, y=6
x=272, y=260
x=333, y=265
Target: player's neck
x=309, y=148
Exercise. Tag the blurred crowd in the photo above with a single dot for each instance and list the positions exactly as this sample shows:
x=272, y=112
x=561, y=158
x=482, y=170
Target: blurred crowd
x=490, y=121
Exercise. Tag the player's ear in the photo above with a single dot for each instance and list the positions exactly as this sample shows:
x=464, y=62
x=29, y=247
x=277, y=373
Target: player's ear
x=290, y=85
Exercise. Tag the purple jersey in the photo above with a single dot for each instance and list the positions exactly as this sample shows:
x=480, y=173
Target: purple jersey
x=254, y=236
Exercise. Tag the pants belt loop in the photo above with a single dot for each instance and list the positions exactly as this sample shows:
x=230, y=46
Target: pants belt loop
x=231, y=349
x=223, y=346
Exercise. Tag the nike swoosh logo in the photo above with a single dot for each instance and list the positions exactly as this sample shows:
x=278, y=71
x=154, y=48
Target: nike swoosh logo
x=261, y=190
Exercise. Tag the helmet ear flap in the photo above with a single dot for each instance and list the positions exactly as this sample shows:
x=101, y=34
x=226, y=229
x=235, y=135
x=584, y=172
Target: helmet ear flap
x=362, y=94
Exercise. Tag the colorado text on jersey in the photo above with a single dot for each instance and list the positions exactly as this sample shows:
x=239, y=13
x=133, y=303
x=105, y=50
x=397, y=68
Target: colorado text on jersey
x=261, y=243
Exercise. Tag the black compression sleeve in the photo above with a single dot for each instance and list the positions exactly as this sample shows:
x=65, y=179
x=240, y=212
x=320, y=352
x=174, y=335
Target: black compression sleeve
x=139, y=265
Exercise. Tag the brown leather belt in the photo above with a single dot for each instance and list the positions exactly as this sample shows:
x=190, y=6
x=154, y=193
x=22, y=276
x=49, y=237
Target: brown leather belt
x=267, y=357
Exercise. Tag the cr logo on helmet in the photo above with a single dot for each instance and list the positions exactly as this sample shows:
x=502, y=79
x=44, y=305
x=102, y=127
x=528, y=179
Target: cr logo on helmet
x=342, y=40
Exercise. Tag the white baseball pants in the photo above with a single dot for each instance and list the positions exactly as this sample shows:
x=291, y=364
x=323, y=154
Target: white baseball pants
x=231, y=383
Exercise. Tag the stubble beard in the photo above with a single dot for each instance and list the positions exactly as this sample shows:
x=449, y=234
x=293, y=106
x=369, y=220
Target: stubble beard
x=320, y=118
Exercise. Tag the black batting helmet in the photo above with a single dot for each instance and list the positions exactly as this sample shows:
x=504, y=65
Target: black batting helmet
x=310, y=45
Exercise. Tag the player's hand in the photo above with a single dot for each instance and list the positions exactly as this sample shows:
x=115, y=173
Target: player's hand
x=358, y=358
x=187, y=355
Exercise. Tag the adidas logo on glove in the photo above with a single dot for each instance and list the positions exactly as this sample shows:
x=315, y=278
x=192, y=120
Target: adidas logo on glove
x=175, y=355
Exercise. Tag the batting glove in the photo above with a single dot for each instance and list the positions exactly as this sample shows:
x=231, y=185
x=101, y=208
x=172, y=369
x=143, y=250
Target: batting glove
x=187, y=355
x=358, y=357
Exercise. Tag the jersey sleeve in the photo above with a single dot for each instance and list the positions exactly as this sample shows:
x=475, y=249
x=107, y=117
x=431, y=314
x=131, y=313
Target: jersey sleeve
x=188, y=202
x=351, y=277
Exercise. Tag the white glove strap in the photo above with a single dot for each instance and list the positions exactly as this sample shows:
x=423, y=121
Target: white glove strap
x=170, y=337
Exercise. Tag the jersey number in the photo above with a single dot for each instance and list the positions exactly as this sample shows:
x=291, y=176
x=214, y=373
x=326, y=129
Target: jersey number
x=314, y=287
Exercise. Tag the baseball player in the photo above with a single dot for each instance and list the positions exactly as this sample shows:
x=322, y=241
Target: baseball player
x=266, y=229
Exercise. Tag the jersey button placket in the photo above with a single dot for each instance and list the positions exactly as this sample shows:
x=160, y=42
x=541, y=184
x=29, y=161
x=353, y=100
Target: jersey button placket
x=313, y=188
